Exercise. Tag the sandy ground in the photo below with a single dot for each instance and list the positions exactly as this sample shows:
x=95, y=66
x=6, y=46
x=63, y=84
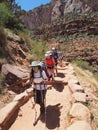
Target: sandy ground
x=57, y=108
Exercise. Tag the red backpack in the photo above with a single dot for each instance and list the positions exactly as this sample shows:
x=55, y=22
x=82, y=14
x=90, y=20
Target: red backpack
x=49, y=62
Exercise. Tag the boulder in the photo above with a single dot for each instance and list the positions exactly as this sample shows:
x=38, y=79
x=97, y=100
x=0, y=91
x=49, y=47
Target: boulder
x=75, y=87
x=79, y=112
x=80, y=97
x=14, y=76
x=73, y=80
x=14, y=70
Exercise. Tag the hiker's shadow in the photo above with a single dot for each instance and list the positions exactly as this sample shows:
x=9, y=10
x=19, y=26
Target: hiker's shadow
x=52, y=118
x=59, y=87
x=60, y=75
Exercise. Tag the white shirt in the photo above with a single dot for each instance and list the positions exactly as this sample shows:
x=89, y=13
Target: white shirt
x=38, y=78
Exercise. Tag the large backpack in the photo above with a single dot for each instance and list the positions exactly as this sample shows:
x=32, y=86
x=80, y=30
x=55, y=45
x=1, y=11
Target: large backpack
x=49, y=62
x=55, y=55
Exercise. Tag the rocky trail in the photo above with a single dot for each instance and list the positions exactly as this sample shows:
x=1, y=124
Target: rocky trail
x=57, y=107
x=64, y=108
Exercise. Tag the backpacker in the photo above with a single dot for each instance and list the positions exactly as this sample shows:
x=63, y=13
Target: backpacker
x=49, y=62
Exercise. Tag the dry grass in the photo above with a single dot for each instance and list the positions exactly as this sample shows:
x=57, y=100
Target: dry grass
x=91, y=84
x=86, y=76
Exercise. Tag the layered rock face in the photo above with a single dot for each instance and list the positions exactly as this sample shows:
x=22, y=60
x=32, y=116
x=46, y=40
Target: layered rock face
x=45, y=14
x=37, y=17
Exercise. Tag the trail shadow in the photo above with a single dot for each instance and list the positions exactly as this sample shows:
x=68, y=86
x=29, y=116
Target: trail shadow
x=52, y=116
x=60, y=75
x=58, y=87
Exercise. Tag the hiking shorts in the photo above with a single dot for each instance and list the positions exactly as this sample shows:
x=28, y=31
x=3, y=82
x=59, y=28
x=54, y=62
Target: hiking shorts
x=50, y=67
x=39, y=96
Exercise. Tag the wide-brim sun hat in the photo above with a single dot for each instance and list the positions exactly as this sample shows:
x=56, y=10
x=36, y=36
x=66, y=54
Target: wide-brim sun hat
x=35, y=63
x=46, y=55
x=53, y=48
x=48, y=52
x=41, y=63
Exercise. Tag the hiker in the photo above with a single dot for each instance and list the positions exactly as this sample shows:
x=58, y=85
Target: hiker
x=60, y=58
x=50, y=63
x=38, y=77
x=55, y=55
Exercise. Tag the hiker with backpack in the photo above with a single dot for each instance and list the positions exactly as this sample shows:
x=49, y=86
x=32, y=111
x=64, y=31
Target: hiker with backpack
x=50, y=63
x=38, y=77
x=60, y=58
x=55, y=55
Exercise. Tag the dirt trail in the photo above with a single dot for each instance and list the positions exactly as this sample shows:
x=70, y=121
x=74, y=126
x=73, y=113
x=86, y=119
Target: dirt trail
x=57, y=108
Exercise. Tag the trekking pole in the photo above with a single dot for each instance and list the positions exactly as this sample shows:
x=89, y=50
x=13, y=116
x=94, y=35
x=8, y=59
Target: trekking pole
x=35, y=109
x=33, y=105
x=45, y=113
x=44, y=101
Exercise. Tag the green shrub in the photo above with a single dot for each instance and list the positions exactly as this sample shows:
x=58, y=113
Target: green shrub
x=27, y=39
x=82, y=64
x=39, y=49
x=9, y=19
x=4, y=14
x=2, y=38
x=14, y=23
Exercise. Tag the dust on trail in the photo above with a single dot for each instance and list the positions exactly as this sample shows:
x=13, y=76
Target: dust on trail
x=57, y=108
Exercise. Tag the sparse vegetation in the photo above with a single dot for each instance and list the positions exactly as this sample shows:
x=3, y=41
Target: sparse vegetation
x=85, y=65
x=39, y=49
x=2, y=38
x=2, y=77
x=9, y=17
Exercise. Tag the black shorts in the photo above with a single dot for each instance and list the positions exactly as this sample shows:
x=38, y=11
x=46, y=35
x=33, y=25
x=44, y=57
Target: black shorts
x=56, y=61
x=50, y=67
x=39, y=96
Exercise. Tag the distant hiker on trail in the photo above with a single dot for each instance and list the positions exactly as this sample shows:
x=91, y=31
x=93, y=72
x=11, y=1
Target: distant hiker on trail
x=60, y=58
x=38, y=77
x=55, y=55
x=50, y=63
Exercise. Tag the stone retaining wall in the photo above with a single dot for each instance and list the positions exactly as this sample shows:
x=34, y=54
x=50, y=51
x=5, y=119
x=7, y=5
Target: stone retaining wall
x=80, y=115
